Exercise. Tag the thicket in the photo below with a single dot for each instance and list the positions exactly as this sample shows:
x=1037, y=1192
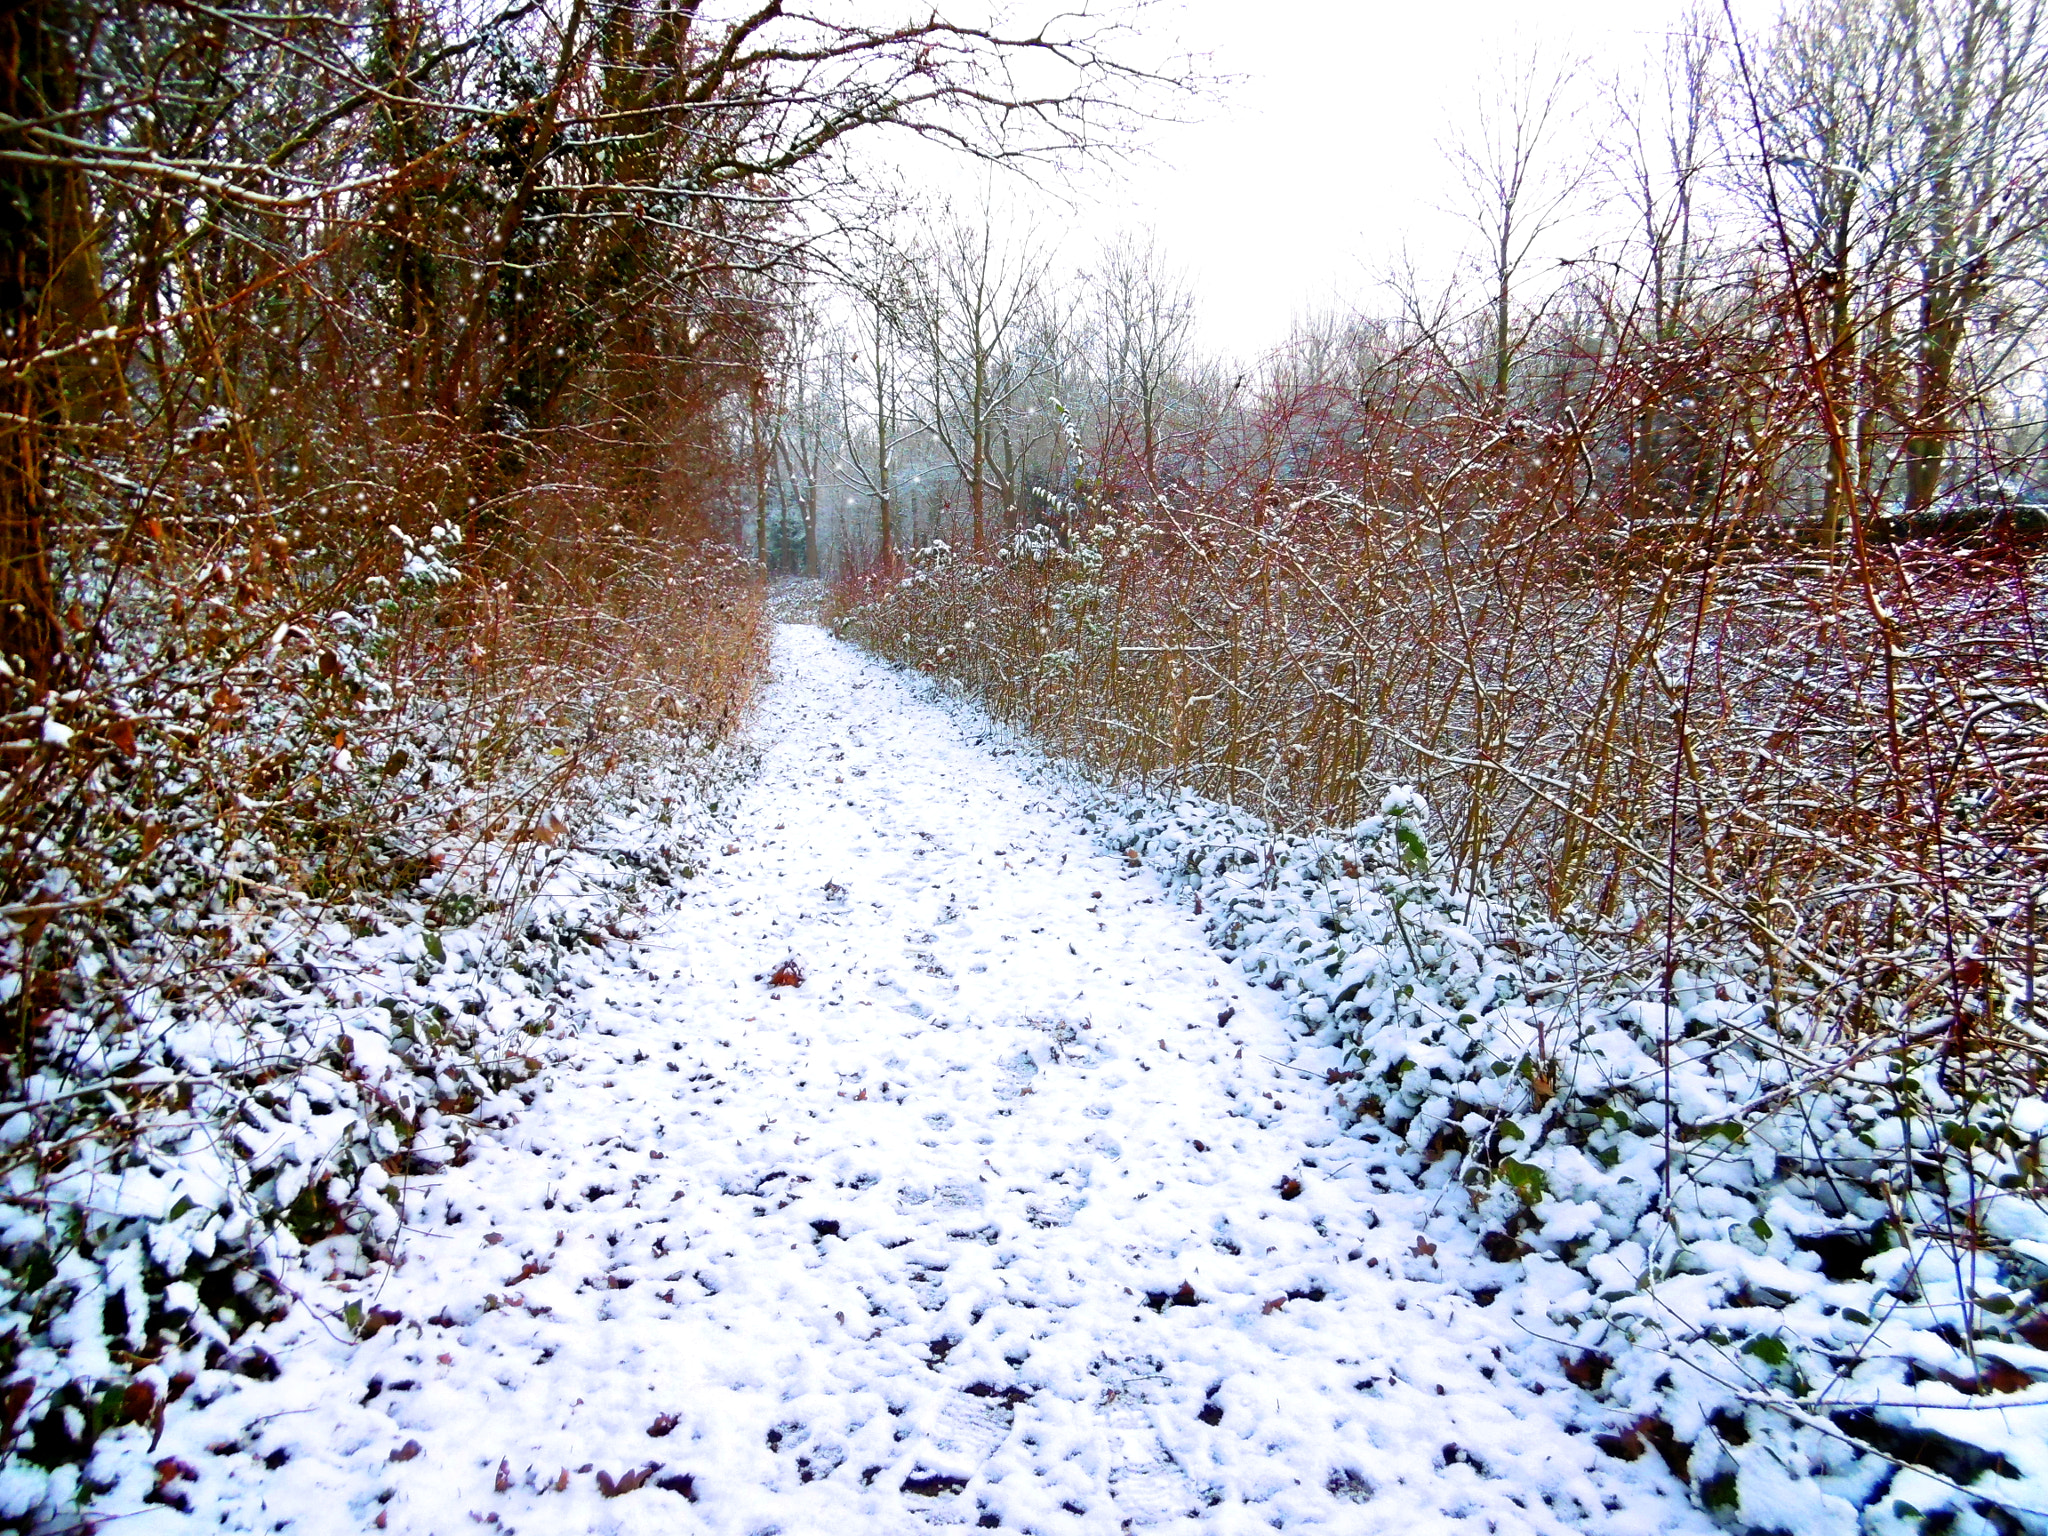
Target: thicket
x=1689, y=613
x=375, y=387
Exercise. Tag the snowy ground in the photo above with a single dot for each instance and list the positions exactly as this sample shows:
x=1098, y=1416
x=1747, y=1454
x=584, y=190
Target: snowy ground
x=1020, y=1211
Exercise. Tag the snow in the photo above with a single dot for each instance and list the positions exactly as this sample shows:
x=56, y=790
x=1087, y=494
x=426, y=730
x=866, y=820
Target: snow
x=1023, y=1208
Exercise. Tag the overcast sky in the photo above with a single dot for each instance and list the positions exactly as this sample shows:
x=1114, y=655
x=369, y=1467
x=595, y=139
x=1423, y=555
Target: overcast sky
x=1323, y=160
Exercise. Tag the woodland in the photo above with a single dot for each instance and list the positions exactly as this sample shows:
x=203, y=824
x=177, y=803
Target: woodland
x=404, y=405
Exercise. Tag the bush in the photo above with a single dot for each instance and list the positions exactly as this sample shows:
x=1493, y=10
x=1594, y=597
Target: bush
x=275, y=936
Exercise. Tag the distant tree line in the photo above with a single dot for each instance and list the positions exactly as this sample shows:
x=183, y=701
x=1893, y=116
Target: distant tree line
x=1851, y=208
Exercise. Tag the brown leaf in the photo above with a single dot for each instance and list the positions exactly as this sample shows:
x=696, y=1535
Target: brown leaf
x=1423, y=1247
x=1273, y=1306
x=531, y=1268
x=662, y=1426
x=1290, y=1188
x=787, y=974
x=628, y=1483
x=1993, y=1375
x=121, y=733
x=504, y=1479
x=138, y=1402
x=379, y=1319
x=407, y=1451
x=1586, y=1370
x=13, y=1398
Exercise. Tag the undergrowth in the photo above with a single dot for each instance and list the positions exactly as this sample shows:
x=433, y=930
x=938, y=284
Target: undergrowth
x=292, y=864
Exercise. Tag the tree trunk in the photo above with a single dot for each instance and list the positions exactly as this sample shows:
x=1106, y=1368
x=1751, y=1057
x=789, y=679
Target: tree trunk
x=48, y=284
x=1927, y=447
x=810, y=504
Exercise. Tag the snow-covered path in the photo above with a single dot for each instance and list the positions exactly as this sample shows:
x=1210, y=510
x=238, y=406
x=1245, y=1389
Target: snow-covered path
x=1020, y=1211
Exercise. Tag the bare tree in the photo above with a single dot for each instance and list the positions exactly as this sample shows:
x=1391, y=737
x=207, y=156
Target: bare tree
x=1662, y=151
x=1977, y=88
x=1144, y=318
x=975, y=294
x=1516, y=190
x=804, y=434
x=874, y=416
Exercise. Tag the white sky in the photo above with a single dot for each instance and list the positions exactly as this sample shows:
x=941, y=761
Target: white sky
x=1322, y=162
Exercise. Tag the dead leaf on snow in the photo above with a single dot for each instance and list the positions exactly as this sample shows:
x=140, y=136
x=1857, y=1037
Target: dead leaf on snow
x=630, y=1482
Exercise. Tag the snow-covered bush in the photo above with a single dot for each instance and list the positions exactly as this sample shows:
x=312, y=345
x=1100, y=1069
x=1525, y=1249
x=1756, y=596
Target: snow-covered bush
x=1808, y=1272
x=290, y=877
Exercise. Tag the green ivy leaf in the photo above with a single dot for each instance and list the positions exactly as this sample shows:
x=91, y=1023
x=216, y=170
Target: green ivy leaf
x=1719, y=1492
x=1769, y=1348
x=1527, y=1180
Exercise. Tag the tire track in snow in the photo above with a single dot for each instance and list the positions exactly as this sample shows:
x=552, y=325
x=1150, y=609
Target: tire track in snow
x=982, y=1225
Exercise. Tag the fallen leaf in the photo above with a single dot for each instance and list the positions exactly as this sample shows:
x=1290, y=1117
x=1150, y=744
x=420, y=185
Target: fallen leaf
x=664, y=1425
x=787, y=974
x=1587, y=1370
x=628, y=1483
x=504, y=1479
x=407, y=1451
x=1423, y=1247
x=379, y=1319
x=1290, y=1188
